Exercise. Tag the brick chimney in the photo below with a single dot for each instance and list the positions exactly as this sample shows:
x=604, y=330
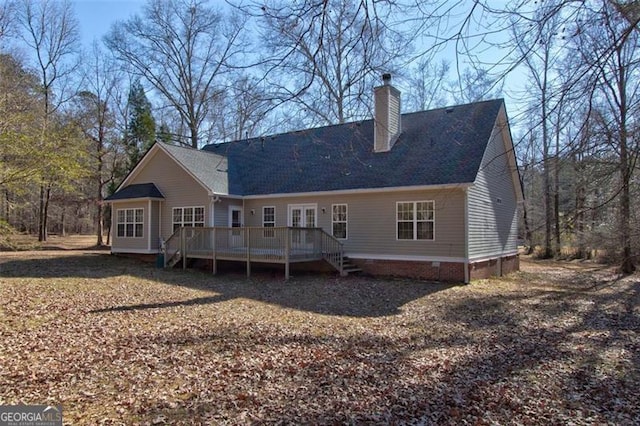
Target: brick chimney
x=386, y=116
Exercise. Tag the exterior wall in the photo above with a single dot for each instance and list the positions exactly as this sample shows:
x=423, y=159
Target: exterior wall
x=492, y=203
x=179, y=188
x=154, y=224
x=221, y=210
x=132, y=244
x=432, y=271
x=371, y=222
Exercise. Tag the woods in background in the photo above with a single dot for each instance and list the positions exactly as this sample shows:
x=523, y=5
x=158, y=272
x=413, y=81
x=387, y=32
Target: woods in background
x=194, y=72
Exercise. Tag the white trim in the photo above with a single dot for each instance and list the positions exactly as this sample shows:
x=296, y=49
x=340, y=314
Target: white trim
x=304, y=206
x=346, y=222
x=467, y=278
x=230, y=215
x=415, y=220
x=413, y=258
x=125, y=223
x=160, y=225
x=130, y=200
x=274, y=215
x=134, y=251
x=149, y=230
x=492, y=256
x=405, y=257
x=193, y=212
x=362, y=191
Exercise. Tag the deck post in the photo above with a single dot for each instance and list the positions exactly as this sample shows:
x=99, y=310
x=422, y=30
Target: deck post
x=213, y=245
x=247, y=237
x=183, y=247
x=286, y=253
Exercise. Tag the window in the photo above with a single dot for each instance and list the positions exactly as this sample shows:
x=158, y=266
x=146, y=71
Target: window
x=188, y=216
x=269, y=220
x=415, y=220
x=130, y=223
x=339, y=221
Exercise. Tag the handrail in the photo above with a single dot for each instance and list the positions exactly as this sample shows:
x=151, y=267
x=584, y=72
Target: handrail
x=332, y=250
x=169, y=250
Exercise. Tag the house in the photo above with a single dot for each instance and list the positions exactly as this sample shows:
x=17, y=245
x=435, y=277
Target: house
x=431, y=194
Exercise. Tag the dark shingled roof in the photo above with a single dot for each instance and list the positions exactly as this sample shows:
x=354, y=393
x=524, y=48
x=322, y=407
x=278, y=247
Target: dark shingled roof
x=139, y=190
x=441, y=146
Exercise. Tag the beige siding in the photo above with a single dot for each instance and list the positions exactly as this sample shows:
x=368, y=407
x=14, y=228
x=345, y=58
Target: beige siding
x=372, y=221
x=155, y=224
x=137, y=244
x=221, y=216
x=179, y=188
x=492, y=203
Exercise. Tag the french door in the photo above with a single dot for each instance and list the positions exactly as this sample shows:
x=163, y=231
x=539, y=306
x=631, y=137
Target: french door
x=302, y=216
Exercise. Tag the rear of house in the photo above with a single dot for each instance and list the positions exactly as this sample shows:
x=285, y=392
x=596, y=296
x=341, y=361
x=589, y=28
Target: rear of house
x=431, y=195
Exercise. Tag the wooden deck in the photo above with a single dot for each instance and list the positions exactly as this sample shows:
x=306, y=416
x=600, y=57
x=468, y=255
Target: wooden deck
x=284, y=245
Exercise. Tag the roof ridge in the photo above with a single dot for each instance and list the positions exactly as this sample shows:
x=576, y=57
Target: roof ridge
x=328, y=126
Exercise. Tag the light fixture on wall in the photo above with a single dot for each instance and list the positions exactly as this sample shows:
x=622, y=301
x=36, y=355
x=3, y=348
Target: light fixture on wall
x=253, y=212
x=324, y=210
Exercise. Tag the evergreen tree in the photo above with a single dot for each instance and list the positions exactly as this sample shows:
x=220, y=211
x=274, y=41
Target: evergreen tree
x=141, y=127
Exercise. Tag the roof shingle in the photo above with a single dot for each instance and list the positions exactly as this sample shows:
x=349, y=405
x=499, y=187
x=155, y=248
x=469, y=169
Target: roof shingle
x=139, y=190
x=441, y=146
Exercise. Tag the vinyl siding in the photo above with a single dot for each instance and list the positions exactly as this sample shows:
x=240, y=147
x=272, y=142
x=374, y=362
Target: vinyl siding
x=493, y=224
x=134, y=243
x=155, y=223
x=221, y=214
x=178, y=187
x=371, y=223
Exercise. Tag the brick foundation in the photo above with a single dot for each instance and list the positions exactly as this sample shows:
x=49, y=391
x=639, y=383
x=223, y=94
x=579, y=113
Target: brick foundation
x=432, y=271
x=439, y=271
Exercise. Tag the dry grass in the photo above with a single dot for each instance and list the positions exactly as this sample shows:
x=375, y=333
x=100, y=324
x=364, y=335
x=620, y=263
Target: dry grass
x=118, y=342
x=23, y=242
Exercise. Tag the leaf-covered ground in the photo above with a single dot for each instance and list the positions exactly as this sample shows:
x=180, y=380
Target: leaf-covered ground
x=119, y=342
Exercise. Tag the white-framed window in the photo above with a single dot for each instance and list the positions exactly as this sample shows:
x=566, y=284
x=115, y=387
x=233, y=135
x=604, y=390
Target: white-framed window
x=339, y=221
x=188, y=216
x=269, y=220
x=415, y=220
x=130, y=223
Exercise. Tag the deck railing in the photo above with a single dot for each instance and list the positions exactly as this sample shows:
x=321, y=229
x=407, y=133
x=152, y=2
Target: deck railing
x=171, y=248
x=255, y=244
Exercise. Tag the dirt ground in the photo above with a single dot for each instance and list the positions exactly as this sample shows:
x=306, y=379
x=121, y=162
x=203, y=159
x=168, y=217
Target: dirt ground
x=115, y=341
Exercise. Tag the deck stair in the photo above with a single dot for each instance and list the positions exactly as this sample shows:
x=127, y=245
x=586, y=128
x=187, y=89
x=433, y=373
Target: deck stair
x=348, y=267
x=174, y=260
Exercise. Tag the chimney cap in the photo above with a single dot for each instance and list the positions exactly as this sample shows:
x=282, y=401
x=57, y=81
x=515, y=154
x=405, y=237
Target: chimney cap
x=386, y=78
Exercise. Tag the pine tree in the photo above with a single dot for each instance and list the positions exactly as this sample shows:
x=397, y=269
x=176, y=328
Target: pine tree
x=141, y=127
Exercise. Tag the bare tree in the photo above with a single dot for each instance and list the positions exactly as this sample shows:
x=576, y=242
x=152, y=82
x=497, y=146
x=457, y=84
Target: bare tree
x=428, y=82
x=94, y=114
x=183, y=48
x=50, y=29
x=609, y=52
x=324, y=57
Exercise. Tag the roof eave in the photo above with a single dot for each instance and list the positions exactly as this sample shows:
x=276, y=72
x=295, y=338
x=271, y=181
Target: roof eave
x=450, y=186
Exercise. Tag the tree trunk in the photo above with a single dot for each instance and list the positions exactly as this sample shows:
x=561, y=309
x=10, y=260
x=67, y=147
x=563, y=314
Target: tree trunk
x=62, y=222
x=99, y=211
x=41, y=225
x=45, y=213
